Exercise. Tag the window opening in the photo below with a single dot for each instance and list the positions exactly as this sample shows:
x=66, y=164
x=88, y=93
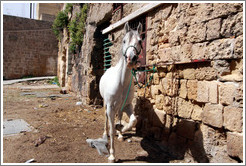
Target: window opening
x=107, y=56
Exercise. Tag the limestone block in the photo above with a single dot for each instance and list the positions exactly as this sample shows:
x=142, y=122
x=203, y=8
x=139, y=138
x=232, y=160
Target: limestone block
x=175, y=53
x=197, y=33
x=192, y=89
x=206, y=73
x=165, y=54
x=212, y=115
x=238, y=47
x=189, y=74
x=233, y=118
x=185, y=53
x=183, y=89
x=186, y=128
x=227, y=93
x=239, y=96
x=213, y=92
x=223, y=9
x=222, y=67
x=202, y=91
x=198, y=51
x=185, y=108
x=213, y=29
x=197, y=113
x=159, y=118
x=167, y=107
x=167, y=86
x=156, y=79
x=233, y=25
x=224, y=49
x=235, y=144
x=159, y=101
x=213, y=143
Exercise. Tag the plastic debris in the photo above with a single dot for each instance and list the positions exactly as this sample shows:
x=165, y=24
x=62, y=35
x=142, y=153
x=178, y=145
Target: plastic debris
x=100, y=144
x=43, y=105
x=40, y=140
x=30, y=161
x=79, y=103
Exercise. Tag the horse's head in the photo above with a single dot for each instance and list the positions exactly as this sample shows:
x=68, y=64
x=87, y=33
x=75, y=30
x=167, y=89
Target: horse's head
x=132, y=45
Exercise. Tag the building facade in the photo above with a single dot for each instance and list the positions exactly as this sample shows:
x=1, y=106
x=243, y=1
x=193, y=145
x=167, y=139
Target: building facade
x=194, y=104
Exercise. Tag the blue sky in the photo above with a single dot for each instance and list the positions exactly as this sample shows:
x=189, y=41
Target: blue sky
x=19, y=9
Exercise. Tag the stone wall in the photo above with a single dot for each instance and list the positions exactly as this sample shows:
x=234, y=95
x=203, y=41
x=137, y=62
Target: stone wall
x=194, y=109
x=87, y=64
x=29, y=48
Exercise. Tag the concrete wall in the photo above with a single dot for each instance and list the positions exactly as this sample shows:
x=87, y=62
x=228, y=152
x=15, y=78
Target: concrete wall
x=29, y=48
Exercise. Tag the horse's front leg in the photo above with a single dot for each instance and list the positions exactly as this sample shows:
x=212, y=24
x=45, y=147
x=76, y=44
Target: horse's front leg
x=132, y=117
x=111, y=114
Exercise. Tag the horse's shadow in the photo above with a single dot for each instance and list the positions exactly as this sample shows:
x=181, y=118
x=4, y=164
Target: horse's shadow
x=168, y=146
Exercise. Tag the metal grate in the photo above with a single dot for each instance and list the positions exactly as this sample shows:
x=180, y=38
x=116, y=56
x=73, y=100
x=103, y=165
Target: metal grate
x=107, y=56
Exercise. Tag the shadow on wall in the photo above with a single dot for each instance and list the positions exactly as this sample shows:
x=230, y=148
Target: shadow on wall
x=181, y=141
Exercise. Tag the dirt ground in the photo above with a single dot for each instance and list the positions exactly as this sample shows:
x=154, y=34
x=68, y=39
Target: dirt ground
x=66, y=126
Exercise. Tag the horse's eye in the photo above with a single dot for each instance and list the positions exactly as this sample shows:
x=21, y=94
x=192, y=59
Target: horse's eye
x=140, y=41
x=124, y=41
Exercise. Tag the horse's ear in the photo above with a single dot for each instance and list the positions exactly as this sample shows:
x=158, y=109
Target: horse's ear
x=127, y=28
x=140, y=28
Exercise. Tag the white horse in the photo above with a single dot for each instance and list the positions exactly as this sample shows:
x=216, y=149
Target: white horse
x=114, y=85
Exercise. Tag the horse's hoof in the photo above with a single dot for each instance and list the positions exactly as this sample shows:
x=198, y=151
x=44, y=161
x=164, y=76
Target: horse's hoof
x=121, y=139
x=111, y=159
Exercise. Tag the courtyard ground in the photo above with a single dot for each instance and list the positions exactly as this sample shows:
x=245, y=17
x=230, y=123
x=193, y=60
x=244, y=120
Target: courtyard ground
x=65, y=127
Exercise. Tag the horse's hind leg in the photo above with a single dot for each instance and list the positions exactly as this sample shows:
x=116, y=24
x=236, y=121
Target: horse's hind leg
x=132, y=117
x=105, y=133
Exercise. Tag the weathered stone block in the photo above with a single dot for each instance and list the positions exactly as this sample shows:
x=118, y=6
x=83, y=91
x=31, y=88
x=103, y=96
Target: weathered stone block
x=197, y=113
x=223, y=9
x=159, y=118
x=238, y=47
x=197, y=33
x=186, y=128
x=227, y=93
x=233, y=118
x=183, y=89
x=212, y=115
x=202, y=91
x=222, y=67
x=154, y=90
x=213, y=92
x=165, y=54
x=185, y=53
x=214, y=144
x=206, y=73
x=192, y=89
x=233, y=25
x=213, y=29
x=189, y=74
x=169, y=86
x=159, y=101
x=198, y=51
x=223, y=49
x=185, y=108
x=235, y=145
x=156, y=79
